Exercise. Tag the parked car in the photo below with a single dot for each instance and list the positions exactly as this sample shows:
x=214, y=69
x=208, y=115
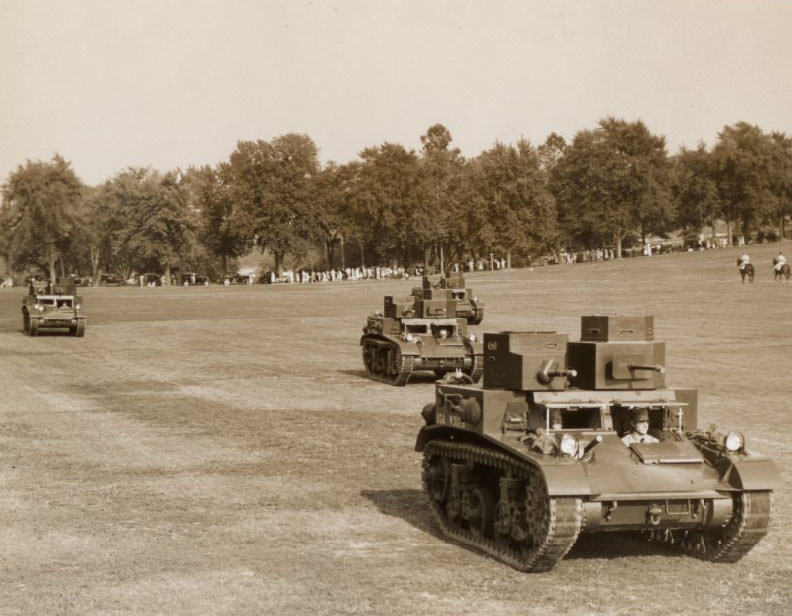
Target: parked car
x=191, y=279
x=110, y=280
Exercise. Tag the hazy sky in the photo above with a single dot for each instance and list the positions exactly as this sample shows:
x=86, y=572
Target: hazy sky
x=170, y=83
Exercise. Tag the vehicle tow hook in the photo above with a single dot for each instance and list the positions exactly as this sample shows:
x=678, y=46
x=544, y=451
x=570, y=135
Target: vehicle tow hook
x=654, y=513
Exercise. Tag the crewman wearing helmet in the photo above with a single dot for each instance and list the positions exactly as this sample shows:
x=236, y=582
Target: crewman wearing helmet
x=639, y=429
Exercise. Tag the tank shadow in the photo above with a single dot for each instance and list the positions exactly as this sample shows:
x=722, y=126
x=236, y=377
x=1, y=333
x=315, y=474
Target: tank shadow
x=411, y=506
x=617, y=545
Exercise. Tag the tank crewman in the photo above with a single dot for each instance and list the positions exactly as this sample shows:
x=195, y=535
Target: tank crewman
x=639, y=428
x=779, y=261
x=744, y=260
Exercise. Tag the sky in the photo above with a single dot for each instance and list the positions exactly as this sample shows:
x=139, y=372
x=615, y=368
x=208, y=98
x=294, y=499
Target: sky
x=111, y=84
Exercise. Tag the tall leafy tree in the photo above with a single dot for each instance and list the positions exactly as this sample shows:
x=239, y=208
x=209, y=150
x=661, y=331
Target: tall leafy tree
x=333, y=214
x=273, y=188
x=209, y=196
x=152, y=228
x=518, y=206
x=40, y=202
x=613, y=181
x=443, y=208
x=388, y=205
x=742, y=158
x=780, y=173
x=694, y=189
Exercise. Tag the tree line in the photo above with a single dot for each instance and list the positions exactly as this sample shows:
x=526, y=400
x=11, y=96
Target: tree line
x=611, y=186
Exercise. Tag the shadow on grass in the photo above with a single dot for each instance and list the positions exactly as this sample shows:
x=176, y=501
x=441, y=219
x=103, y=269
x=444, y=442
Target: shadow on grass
x=409, y=505
x=617, y=545
x=412, y=507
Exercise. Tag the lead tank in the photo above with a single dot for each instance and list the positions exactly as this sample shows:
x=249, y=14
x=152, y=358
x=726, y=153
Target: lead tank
x=420, y=334
x=520, y=466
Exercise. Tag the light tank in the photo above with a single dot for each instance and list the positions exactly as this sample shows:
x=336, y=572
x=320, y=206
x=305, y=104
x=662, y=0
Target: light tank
x=416, y=334
x=520, y=466
x=51, y=305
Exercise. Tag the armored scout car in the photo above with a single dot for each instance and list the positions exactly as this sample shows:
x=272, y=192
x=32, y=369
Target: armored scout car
x=521, y=465
x=419, y=334
x=52, y=306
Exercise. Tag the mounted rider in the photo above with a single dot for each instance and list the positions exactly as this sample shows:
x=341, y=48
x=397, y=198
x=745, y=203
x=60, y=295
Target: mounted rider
x=743, y=260
x=779, y=261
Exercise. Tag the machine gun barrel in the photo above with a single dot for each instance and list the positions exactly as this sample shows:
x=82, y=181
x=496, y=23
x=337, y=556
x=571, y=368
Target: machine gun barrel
x=546, y=374
x=659, y=369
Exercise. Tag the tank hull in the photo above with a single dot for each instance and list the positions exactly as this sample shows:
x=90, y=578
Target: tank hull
x=394, y=360
x=521, y=473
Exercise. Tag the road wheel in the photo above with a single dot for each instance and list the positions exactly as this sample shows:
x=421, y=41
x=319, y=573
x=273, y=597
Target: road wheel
x=481, y=516
x=34, y=326
x=79, y=330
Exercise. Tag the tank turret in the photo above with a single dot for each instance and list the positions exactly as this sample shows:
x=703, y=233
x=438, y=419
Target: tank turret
x=419, y=333
x=568, y=437
x=468, y=305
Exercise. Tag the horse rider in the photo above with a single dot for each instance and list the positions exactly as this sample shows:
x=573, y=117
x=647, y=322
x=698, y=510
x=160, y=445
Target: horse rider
x=780, y=261
x=639, y=429
x=744, y=260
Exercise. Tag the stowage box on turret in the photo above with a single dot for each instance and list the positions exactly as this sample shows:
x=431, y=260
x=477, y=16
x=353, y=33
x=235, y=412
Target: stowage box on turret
x=564, y=438
x=50, y=305
x=419, y=334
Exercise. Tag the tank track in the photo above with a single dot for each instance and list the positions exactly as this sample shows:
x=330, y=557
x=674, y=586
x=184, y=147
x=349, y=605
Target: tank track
x=477, y=369
x=748, y=525
x=390, y=366
x=528, y=538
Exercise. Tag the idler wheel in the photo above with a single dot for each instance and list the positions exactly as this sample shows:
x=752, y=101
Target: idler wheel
x=727, y=544
x=34, y=326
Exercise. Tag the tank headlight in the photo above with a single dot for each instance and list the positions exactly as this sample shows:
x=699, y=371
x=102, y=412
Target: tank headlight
x=409, y=337
x=76, y=306
x=475, y=298
x=734, y=441
x=568, y=445
x=472, y=337
x=39, y=307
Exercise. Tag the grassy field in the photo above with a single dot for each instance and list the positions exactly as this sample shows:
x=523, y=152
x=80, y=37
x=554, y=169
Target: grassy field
x=219, y=451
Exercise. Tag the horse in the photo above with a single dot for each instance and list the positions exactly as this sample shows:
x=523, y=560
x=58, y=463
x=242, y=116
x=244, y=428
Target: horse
x=778, y=272
x=747, y=271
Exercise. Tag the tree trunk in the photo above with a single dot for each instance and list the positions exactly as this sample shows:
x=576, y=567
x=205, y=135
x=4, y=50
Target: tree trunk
x=362, y=254
x=508, y=259
x=51, y=258
x=728, y=231
x=95, y=271
x=167, y=275
x=442, y=260
x=224, y=263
